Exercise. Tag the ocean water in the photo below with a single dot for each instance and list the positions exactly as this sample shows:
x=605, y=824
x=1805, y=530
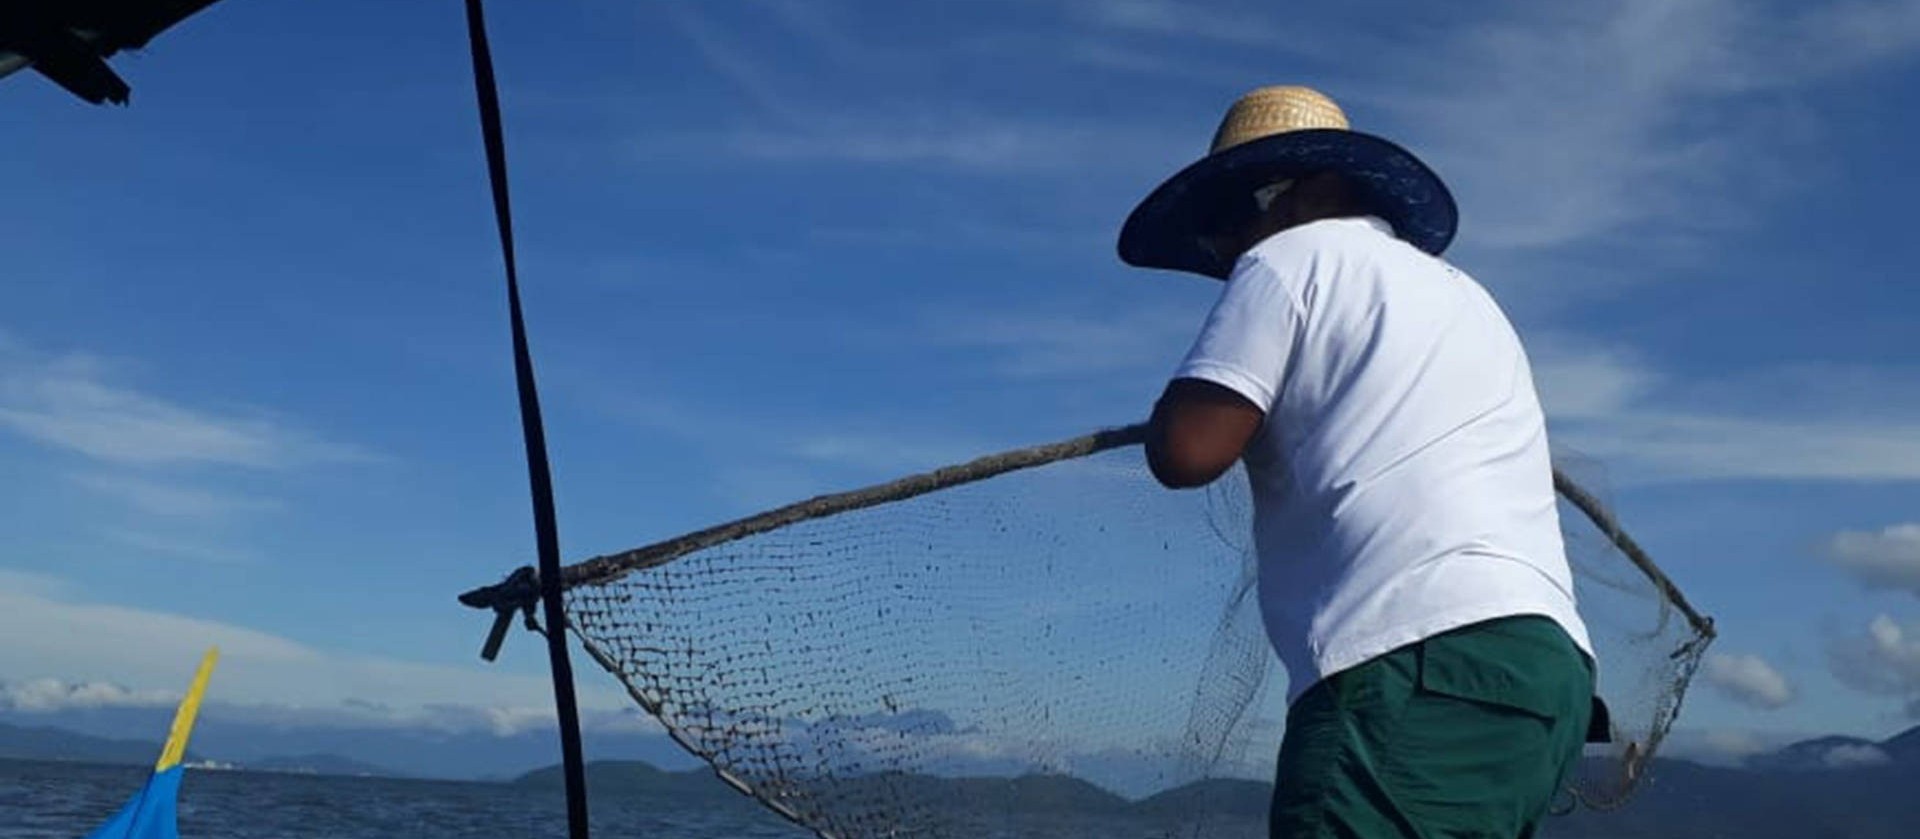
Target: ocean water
x=41, y=800
x=44, y=800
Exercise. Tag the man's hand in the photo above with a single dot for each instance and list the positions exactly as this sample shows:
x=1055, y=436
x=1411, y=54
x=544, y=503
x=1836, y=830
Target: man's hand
x=1198, y=430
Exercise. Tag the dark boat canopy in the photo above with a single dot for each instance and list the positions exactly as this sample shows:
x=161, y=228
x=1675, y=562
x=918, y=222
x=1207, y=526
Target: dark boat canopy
x=68, y=41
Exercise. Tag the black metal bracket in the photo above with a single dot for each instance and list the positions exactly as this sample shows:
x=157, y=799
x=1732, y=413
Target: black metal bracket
x=519, y=592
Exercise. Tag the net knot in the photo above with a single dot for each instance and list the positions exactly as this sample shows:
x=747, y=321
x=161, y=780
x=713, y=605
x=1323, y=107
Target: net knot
x=519, y=592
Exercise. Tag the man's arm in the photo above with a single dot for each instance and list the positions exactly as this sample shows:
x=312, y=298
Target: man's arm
x=1197, y=432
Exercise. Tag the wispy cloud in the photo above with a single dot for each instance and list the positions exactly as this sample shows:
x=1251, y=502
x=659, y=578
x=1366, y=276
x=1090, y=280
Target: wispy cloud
x=1045, y=346
x=1884, y=661
x=1567, y=124
x=71, y=402
x=81, y=643
x=1748, y=680
x=758, y=461
x=792, y=122
x=885, y=453
x=1244, y=26
x=1608, y=403
x=193, y=547
x=1557, y=124
x=822, y=24
x=178, y=500
x=1887, y=558
x=971, y=142
x=1675, y=446
x=730, y=60
x=1103, y=54
x=1593, y=383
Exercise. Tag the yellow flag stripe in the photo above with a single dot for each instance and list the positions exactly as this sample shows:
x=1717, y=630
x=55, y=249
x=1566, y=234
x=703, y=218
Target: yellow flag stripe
x=183, y=719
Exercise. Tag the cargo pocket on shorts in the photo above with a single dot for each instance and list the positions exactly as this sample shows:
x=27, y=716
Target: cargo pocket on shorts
x=1504, y=664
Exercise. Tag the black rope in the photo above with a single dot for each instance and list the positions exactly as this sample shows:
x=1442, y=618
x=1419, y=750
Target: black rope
x=539, y=476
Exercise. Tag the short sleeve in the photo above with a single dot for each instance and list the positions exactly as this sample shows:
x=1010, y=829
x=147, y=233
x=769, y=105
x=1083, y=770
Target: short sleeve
x=1249, y=337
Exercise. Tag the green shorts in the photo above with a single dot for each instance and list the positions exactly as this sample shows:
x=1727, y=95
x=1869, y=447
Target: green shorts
x=1469, y=734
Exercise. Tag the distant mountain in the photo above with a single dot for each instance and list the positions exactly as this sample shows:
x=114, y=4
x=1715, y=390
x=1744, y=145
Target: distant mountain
x=42, y=743
x=1851, y=800
x=320, y=764
x=1903, y=747
x=1828, y=787
x=1686, y=799
x=1225, y=796
x=45, y=743
x=628, y=776
x=228, y=734
x=1025, y=794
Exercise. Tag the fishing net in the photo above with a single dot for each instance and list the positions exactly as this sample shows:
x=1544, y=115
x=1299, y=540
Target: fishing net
x=1044, y=642
x=1649, y=638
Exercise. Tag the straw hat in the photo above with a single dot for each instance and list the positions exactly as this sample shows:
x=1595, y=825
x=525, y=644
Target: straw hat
x=1270, y=135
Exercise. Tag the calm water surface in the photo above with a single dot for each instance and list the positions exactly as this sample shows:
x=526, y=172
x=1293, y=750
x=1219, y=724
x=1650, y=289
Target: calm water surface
x=66, y=801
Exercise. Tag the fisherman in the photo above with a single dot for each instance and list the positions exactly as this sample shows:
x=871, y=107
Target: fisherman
x=1412, y=576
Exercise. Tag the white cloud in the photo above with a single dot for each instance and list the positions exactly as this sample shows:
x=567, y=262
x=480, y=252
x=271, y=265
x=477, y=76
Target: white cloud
x=56, y=695
x=1884, y=660
x=1888, y=558
x=69, y=402
x=51, y=696
x=1733, y=747
x=1748, y=680
x=1724, y=746
x=82, y=644
x=1851, y=755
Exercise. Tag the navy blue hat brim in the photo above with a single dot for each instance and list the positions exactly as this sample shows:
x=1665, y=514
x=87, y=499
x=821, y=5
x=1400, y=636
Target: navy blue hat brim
x=1164, y=231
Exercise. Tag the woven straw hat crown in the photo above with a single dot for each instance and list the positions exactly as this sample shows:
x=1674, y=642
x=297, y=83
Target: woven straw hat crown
x=1276, y=110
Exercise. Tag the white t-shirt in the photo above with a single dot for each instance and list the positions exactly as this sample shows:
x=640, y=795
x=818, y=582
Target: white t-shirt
x=1402, y=485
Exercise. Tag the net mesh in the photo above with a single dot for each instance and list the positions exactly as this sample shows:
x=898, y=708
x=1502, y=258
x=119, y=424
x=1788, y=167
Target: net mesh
x=1649, y=639
x=1041, y=643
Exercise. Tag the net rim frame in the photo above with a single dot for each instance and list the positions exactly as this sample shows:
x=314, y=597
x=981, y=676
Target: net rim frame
x=607, y=568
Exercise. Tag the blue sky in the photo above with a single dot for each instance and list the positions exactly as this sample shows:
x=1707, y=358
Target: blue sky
x=254, y=385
